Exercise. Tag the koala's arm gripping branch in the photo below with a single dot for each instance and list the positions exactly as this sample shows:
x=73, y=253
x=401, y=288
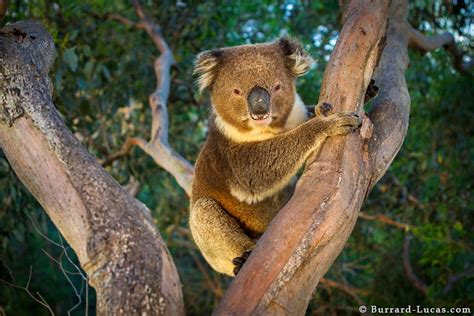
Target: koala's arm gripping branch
x=278, y=158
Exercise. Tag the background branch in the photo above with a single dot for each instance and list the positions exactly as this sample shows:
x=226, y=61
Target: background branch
x=123, y=20
x=411, y=275
x=349, y=290
x=158, y=146
x=125, y=150
x=3, y=9
x=452, y=279
x=384, y=219
x=446, y=40
x=26, y=288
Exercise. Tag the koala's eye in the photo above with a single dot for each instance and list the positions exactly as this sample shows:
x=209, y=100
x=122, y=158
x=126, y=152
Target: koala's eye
x=237, y=92
x=277, y=87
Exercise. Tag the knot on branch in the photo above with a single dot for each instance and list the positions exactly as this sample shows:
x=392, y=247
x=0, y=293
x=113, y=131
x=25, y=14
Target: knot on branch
x=367, y=128
x=26, y=55
x=34, y=45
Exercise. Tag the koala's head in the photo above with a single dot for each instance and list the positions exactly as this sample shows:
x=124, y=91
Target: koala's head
x=253, y=86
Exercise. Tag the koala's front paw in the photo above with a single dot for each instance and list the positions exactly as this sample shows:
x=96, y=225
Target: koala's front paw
x=343, y=123
x=239, y=261
x=323, y=109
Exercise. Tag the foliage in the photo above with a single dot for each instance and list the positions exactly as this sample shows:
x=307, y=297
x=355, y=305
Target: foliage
x=102, y=77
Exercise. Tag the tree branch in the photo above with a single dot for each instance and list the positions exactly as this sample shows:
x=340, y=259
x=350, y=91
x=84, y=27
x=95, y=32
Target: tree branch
x=26, y=288
x=452, y=279
x=391, y=108
x=125, y=150
x=384, y=219
x=446, y=40
x=3, y=9
x=123, y=20
x=158, y=147
x=411, y=275
x=310, y=231
x=112, y=234
x=349, y=290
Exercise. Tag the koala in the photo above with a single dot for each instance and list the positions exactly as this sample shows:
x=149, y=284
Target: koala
x=259, y=137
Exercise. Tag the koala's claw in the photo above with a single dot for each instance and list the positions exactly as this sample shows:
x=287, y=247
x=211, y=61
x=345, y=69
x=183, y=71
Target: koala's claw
x=323, y=109
x=240, y=261
x=345, y=123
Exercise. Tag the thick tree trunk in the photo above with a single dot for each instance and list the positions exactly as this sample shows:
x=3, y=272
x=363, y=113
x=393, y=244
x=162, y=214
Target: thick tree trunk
x=310, y=231
x=113, y=235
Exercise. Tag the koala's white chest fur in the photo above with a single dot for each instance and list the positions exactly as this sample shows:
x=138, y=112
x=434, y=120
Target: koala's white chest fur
x=298, y=115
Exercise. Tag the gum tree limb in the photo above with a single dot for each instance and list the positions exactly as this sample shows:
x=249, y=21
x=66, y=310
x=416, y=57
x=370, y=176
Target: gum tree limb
x=112, y=233
x=429, y=43
x=410, y=273
x=158, y=146
x=306, y=236
x=391, y=109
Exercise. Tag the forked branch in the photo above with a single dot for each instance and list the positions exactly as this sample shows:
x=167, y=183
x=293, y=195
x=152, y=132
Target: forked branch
x=158, y=146
x=310, y=231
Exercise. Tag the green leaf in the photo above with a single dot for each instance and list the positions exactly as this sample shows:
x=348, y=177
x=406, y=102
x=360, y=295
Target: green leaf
x=106, y=73
x=70, y=58
x=88, y=68
x=58, y=80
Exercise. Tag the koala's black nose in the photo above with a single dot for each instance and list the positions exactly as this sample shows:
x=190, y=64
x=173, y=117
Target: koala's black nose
x=259, y=102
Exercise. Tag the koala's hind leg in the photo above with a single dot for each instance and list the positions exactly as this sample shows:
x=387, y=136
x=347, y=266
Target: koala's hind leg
x=218, y=235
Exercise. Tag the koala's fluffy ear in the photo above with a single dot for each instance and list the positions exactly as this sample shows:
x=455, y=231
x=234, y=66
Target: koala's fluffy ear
x=205, y=67
x=299, y=59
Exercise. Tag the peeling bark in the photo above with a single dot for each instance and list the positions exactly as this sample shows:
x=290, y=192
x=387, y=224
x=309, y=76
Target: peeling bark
x=112, y=233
